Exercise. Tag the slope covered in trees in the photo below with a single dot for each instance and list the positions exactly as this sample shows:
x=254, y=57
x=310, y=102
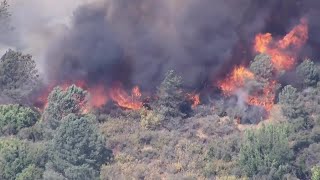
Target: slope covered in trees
x=167, y=138
x=66, y=142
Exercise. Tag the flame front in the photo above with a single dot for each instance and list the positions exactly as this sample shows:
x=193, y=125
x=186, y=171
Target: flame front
x=266, y=99
x=194, y=98
x=98, y=95
x=124, y=100
x=236, y=80
x=283, y=52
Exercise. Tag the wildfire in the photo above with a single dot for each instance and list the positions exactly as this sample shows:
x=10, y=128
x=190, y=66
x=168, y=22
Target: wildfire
x=124, y=100
x=98, y=95
x=194, y=98
x=136, y=92
x=236, y=80
x=283, y=52
x=266, y=99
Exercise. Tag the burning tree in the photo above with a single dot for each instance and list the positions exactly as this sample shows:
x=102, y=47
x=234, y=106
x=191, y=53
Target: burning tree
x=283, y=52
x=63, y=102
x=262, y=67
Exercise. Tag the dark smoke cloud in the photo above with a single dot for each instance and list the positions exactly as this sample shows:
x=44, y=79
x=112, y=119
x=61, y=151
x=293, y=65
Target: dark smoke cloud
x=137, y=41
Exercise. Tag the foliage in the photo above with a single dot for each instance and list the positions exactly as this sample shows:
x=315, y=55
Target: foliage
x=292, y=105
x=262, y=67
x=150, y=119
x=266, y=150
x=15, y=117
x=30, y=173
x=63, y=102
x=50, y=174
x=315, y=173
x=17, y=159
x=224, y=149
x=308, y=158
x=78, y=149
x=13, y=159
x=18, y=75
x=170, y=96
x=308, y=71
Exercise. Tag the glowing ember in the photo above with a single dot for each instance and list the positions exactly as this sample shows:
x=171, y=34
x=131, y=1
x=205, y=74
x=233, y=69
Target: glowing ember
x=98, y=96
x=266, y=99
x=262, y=41
x=236, y=80
x=283, y=52
x=136, y=92
x=124, y=100
x=195, y=99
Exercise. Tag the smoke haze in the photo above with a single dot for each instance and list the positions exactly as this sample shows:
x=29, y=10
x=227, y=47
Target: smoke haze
x=137, y=41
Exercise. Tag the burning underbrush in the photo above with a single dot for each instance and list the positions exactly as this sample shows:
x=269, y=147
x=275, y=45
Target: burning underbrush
x=256, y=87
x=250, y=91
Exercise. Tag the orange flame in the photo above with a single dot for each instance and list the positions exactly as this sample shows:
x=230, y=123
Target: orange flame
x=236, y=80
x=194, y=98
x=99, y=96
x=266, y=99
x=124, y=100
x=136, y=92
x=283, y=52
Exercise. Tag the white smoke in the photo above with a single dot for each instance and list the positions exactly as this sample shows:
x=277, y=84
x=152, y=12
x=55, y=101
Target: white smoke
x=36, y=23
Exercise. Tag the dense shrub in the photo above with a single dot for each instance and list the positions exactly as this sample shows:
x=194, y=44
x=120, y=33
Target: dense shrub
x=78, y=150
x=170, y=96
x=262, y=67
x=266, y=152
x=150, y=119
x=15, y=117
x=21, y=159
x=308, y=71
x=18, y=75
x=60, y=104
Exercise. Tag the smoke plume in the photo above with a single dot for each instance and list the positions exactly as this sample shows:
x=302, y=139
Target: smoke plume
x=137, y=41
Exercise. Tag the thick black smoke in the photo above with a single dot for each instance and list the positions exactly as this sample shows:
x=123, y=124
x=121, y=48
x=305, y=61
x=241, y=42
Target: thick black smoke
x=137, y=41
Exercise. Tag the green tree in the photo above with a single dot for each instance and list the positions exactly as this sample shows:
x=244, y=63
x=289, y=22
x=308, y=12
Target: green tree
x=315, y=173
x=18, y=75
x=63, y=102
x=170, y=96
x=150, y=119
x=13, y=158
x=262, y=67
x=30, y=173
x=18, y=156
x=15, y=117
x=308, y=71
x=78, y=150
x=291, y=103
x=308, y=158
x=266, y=151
